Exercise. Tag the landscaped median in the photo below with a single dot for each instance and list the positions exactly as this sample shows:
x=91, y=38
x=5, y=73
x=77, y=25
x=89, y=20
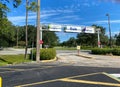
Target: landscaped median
x=106, y=51
x=45, y=54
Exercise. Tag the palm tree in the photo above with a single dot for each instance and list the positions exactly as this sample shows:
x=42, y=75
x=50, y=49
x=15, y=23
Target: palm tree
x=26, y=32
x=38, y=32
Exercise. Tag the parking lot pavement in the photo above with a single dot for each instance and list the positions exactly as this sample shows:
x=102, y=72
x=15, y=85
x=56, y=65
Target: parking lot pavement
x=86, y=80
x=86, y=59
x=69, y=70
x=54, y=74
x=29, y=67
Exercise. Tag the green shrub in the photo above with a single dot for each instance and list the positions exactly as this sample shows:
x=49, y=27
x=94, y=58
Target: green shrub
x=116, y=52
x=45, y=54
x=86, y=47
x=105, y=51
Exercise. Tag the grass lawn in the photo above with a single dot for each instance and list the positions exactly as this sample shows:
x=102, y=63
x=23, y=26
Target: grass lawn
x=12, y=59
x=65, y=48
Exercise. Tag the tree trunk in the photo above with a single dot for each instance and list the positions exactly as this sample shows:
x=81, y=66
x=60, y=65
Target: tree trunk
x=38, y=33
x=26, y=33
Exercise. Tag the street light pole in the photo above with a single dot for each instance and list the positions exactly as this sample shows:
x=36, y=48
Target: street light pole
x=38, y=32
x=109, y=29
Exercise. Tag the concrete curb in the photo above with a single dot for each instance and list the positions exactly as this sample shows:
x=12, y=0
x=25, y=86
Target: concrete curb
x=52, y=60
x=89, y=57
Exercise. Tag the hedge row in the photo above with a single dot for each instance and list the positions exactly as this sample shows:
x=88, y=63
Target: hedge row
x=45, y=54
x=105, y=51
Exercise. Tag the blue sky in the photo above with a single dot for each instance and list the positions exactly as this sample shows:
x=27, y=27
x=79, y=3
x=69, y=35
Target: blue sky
x=71, y=12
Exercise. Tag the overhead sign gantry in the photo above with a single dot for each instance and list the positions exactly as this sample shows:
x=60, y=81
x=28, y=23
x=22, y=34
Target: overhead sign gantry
x=74, y=29
x=88, y=29
x=53, y=27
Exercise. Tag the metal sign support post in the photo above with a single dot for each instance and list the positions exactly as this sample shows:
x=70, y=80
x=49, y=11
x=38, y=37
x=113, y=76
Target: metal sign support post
x=98, y=31
x=41, y=36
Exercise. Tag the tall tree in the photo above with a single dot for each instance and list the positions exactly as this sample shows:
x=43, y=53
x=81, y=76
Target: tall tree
x=7, y=33
x=87, y=39
x=38, y=32
x=26, y=33
x=29, y=7
x=31, y=35
x=103, y=37
x=4, y=9
x=91, y=39
x=118, y=39
x=5, y=25
x=71, y=42
x=50, y=38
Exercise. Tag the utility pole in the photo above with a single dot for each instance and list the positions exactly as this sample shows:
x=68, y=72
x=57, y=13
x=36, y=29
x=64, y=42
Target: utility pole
x=109, y=30
x=38, y=32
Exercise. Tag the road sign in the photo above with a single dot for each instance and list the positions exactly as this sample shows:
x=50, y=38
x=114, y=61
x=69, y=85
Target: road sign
x=41, y=42
x=76, y=29
x=78, y=47
x=88, y=30
x=53, y=27
x=99, y=43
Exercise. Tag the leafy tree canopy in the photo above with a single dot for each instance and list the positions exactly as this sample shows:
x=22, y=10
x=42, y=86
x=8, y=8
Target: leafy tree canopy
x=118, y=39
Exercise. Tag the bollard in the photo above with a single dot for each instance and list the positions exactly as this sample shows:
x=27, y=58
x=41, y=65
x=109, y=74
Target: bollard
x=0, y=82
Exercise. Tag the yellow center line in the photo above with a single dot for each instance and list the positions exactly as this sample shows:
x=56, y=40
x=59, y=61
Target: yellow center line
x=85, y=75
x=90, y=82
x=0, y=81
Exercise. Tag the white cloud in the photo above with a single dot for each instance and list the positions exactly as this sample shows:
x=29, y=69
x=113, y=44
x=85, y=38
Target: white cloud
x=56, y=11
x=106, y=21
x=47, y=13
x=113, y=1
x=16, y=18
x=68, y=17
x=32, y=17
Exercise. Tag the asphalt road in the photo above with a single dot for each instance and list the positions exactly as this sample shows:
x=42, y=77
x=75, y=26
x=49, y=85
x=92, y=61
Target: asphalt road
x=77, y=72
x=57, y=74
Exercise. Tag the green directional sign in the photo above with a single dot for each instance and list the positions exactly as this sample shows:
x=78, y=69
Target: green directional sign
x=54, y=27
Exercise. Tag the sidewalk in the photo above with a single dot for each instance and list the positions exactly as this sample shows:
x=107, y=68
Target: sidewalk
x=86, y=59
